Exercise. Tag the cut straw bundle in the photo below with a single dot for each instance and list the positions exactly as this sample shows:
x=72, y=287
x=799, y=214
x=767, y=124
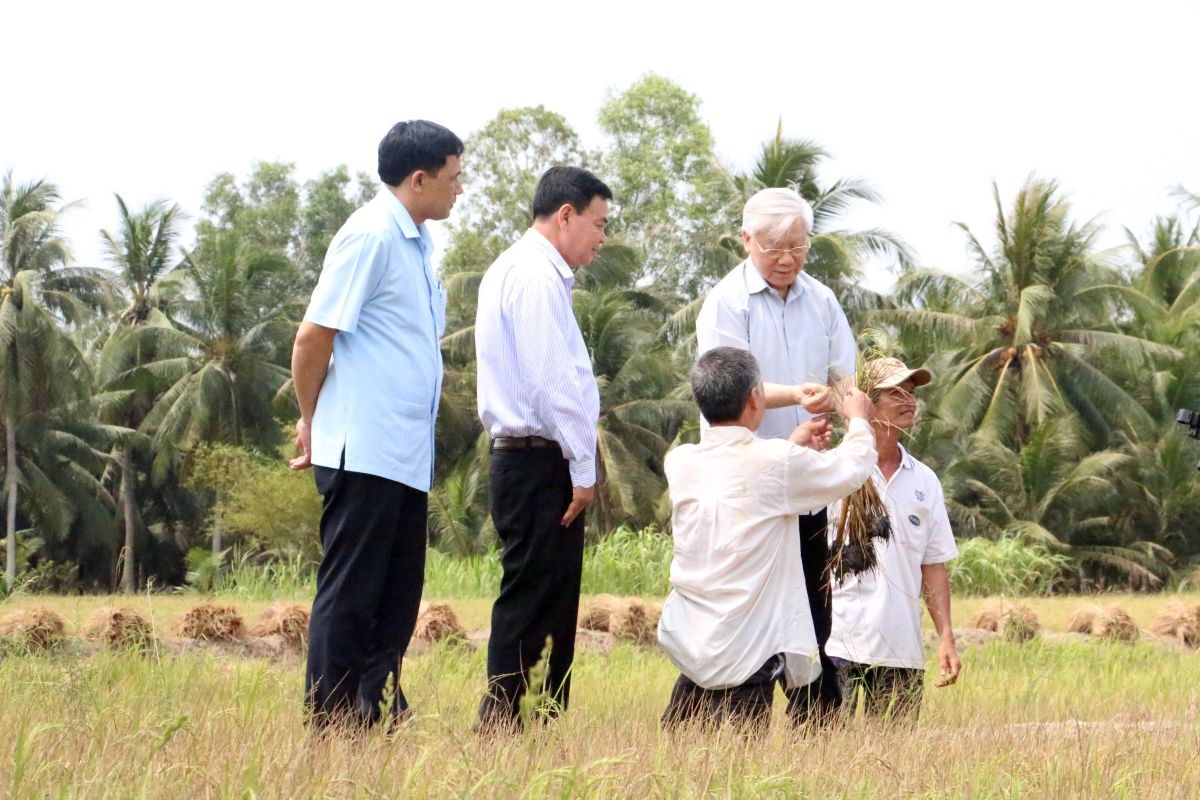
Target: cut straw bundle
x=863, y=517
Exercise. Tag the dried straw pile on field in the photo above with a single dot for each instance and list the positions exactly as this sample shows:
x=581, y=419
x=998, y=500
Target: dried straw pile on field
x=118, y=628
x=437, y=622
x=1109, y=622
x=1017, y=622
x=289, y=621
x=627, y=618
x=36, y=628
x=1178, y=621
x=211, y=623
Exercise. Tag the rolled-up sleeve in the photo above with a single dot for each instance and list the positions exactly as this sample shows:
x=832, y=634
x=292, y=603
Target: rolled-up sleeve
x=544, y=323
x=349, y=276
x=720, y=325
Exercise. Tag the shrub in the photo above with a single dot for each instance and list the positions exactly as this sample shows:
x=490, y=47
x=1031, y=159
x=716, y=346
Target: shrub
x=1005, y=566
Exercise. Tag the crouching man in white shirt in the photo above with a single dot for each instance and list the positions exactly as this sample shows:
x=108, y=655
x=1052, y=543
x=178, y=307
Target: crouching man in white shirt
x=737, y=618
x=876, y=639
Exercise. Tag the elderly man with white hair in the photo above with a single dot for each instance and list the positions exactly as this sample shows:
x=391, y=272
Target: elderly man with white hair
x=796, y=329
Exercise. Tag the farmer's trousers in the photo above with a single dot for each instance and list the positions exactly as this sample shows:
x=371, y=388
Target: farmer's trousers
x=539, y=593
x=893, y=693
x=368, y=595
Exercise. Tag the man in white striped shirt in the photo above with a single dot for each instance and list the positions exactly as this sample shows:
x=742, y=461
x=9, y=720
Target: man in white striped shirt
x=539, y=401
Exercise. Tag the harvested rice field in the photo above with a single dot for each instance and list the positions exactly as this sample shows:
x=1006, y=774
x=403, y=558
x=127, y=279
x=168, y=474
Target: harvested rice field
x=124, y=704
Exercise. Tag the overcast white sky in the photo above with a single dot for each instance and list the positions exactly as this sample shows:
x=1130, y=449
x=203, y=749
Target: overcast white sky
x=928, y=101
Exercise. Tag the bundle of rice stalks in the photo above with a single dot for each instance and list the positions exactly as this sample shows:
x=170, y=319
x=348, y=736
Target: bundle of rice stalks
x=1108, y=621
x=211, y=623
x=598, y=611
x=630, y=621
x=862, y=518
x=1016, y=622
x=37, y=628
x=289, y=621
x=118, y=628
x=437, y=621
x=1178, y=621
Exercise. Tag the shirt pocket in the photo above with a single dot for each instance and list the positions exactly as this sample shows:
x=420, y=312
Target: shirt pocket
x=816, y=358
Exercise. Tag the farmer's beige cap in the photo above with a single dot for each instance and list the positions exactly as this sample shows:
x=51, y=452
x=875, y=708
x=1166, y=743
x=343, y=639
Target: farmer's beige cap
x=884, y=373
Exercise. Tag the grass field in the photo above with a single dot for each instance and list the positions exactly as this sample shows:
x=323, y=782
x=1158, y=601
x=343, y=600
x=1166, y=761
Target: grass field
x=1073, y=719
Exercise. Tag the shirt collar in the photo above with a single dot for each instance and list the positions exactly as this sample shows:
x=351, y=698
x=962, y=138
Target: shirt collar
x=756, y=283
x=404, y=219
x=724, y=434
x=906, y=461
x=542, y=243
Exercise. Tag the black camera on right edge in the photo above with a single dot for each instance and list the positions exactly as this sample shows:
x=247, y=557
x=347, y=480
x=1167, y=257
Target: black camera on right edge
x=1192, y=420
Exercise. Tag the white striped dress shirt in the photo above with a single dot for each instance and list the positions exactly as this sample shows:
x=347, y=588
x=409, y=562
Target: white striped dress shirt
x=535, y=375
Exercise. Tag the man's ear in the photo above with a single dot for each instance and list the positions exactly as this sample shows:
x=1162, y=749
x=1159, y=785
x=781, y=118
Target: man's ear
x=746, y=241
x=564, y=214
x=416, y=181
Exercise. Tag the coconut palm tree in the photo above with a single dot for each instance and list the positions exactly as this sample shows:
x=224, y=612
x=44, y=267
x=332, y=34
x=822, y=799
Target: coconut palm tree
x=41, y=365
x=1034, y=334
x=224, y=354
x=1053, y=492
x=142, y=252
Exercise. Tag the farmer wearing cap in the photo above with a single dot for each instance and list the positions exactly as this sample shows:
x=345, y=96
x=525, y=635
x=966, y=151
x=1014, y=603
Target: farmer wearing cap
x=797, y=331
x=876, y=641
x=737, y=618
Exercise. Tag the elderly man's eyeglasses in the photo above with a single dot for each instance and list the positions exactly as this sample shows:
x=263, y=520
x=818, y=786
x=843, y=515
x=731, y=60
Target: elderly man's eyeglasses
x=778, y=252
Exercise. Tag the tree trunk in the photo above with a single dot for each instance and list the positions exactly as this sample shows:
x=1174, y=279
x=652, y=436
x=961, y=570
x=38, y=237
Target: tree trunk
x=128, y=581
x=216, y=528
x=10, y=492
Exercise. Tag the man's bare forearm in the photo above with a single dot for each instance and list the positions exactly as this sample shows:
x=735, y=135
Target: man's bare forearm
x=310, y=364
x=936, y=580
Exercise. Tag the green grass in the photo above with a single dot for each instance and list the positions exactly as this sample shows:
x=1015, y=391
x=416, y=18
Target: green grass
x=1044, y=719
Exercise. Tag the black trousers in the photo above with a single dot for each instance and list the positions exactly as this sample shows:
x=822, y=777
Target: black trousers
x=818, y=702
x=893, y=693
x=746, y=706
x=368, y=595
x=539, y=593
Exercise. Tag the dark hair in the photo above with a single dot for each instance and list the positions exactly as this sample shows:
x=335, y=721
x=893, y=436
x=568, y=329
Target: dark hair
x=415, y=145
x=722, y=380
x=562, y=185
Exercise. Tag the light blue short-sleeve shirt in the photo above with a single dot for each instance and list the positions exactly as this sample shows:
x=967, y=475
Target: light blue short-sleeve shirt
x=380, y=397
x=805, y=339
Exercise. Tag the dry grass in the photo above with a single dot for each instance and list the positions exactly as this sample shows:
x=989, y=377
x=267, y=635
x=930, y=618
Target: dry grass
x=35, y=628
x=1017, y=622
x=210, y=622
x=1083, y=718
x=118, y=628
x=1110, y=622
x=289, y=621
x=1178, y=621
x=596, y=612
x=438, y=622
x=629, y=619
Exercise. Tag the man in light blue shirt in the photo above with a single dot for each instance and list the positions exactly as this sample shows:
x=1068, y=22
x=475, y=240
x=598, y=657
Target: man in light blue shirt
x=367, y=369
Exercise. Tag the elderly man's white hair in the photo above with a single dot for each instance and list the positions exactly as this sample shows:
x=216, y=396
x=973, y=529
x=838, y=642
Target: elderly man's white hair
x=772, y=212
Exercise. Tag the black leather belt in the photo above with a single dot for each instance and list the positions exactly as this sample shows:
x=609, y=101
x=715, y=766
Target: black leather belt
x=523, y=443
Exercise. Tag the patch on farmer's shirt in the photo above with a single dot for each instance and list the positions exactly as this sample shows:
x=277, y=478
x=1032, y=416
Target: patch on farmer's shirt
x=920, y=496
x=914, y=519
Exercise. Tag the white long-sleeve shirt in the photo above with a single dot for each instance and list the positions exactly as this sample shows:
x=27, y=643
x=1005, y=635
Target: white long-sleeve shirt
x=535, y=375
x=738, y=595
